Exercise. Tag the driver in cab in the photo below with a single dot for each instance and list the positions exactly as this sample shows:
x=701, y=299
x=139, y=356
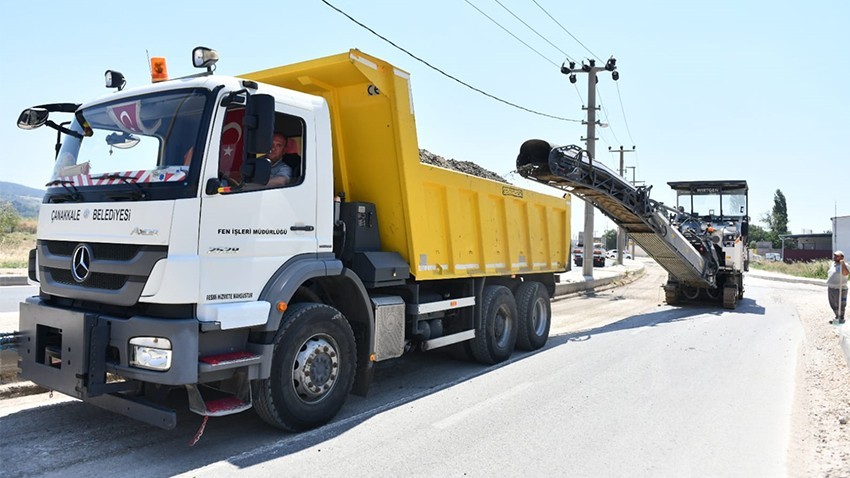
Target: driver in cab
x=281, y=173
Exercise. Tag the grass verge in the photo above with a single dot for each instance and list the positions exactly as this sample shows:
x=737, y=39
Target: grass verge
x=15, y=248
x=812, y=270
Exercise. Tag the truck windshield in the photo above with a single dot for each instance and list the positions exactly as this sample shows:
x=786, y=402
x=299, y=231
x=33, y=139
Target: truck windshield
x=146, y=140
x=731, y=204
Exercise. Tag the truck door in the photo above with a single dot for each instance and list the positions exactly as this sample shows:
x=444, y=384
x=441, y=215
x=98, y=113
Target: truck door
x=248, y=231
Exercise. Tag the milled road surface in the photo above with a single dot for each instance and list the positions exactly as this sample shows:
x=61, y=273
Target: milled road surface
x=626, y=386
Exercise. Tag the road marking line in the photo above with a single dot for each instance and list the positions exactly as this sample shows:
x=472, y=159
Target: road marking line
x=486, y=405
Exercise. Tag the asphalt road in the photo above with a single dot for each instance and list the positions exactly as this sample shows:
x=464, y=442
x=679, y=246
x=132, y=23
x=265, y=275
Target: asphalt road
x=626, y=387
x=12, y=295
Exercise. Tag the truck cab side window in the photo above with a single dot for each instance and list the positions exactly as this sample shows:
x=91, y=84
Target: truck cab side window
x=290, y=129
x=286, y=155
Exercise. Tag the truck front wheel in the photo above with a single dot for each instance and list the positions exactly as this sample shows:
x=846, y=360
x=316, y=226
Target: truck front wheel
x=312, y=369
x=496, y=328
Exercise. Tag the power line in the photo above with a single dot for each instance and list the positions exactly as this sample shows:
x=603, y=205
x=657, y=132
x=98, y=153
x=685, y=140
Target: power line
x=446, y=74
x=607, y=116
x=535, y=31
x=568, y=32
x=619, y=95
x=581, y=100
x=624, y=113
x=510, y=33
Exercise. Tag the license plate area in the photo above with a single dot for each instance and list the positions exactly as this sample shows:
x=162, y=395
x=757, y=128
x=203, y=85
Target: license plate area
x=48, y=346
x=54, y=347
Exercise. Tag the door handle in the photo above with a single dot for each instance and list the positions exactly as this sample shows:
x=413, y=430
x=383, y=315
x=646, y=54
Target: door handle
x=301, y=228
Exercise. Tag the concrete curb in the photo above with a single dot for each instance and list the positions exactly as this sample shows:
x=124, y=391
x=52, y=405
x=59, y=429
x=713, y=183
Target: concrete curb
x=782, y=278
x=562, y=290
x=13, y=280
x=20, y=389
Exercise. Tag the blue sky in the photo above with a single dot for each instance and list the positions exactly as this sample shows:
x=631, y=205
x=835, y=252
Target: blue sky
x=726, y=89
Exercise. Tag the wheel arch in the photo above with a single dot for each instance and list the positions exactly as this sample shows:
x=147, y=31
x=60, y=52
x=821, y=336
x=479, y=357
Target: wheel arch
x=340, y=288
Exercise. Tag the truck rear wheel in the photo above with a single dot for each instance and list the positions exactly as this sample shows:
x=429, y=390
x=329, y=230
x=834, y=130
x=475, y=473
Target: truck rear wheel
x=312, y=369
x=535, y=315
x=496, y=328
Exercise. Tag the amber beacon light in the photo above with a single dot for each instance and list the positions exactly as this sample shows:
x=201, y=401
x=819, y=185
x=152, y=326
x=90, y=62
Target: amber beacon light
x=159, y=72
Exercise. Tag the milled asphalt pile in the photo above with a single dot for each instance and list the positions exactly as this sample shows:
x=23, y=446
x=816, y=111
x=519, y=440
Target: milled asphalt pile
x=467, y=167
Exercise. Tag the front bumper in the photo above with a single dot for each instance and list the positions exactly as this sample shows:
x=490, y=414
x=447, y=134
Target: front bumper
x=71, y=352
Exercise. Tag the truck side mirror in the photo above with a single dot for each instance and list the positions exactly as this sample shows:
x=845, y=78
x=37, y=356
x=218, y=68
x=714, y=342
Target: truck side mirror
x=256, y=170
x=259, y=124
x=32, y=118
x=745, y=228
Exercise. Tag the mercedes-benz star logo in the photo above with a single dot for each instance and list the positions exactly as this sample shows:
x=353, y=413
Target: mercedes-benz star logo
x=81, y=262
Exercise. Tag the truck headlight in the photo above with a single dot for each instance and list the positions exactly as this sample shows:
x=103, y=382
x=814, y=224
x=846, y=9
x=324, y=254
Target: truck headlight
x=152, y=353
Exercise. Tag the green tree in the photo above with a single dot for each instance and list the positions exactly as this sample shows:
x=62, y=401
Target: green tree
x=9, y=217
x=759, y=234
x=777, y=219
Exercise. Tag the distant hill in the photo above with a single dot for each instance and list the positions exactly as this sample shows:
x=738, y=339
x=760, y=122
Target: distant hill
x=25, y=200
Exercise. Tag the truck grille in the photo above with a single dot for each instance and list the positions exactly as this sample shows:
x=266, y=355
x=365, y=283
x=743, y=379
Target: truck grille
x=108, y=252
x=118, y=272
x=95, y=281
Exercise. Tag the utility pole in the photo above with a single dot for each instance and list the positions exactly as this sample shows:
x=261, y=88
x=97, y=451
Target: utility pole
x=591, y=69
x=621, y=233
x=634, y=183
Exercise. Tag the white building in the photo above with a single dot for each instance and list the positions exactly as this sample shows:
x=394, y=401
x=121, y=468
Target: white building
x=841, y=234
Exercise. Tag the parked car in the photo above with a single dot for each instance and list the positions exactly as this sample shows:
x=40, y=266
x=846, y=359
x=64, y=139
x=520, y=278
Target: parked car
x=598, y=255
x=773, y=256
x=612, y=254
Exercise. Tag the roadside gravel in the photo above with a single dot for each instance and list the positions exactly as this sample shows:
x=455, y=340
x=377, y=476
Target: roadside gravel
x=821, y=441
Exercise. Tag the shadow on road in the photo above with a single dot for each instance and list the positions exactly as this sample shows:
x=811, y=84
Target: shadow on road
x=664, y=316
x=72, y=436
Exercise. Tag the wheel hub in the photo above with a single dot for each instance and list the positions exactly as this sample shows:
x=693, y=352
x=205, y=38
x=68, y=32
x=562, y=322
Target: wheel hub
x=502, y=326
x=315, y=368
x=538, y=317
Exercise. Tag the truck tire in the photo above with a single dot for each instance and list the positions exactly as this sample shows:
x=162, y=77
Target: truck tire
x=312, y=371
x=496, y=328
x=535, y=315
x=730, y=297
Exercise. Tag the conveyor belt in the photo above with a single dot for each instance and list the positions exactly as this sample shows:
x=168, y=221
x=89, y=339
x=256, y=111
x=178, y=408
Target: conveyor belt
x=689, y=259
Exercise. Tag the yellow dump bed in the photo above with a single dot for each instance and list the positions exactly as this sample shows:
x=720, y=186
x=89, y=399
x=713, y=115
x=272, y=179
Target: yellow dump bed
x=444, y=223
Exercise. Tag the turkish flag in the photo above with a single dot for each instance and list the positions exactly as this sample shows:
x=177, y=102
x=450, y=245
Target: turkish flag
x=230, y=154
x=126, y=116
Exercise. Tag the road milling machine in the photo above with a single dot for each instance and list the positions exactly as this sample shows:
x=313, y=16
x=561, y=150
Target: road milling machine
x=702, y=244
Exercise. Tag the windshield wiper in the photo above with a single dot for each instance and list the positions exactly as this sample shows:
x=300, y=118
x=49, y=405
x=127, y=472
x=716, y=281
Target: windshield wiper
x=73, y=192
x=139, y=193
